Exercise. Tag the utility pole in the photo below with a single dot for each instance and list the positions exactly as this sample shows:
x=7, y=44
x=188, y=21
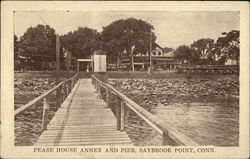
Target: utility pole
x=132, y=52
x=58, y=91
x=57, y=59
x=150, y=54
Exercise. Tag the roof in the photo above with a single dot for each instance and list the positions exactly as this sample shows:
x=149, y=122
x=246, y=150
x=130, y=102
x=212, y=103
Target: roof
x=99, y=52
x=27, y=55
x=85, y=60
x=158, y=46
x=165, y=49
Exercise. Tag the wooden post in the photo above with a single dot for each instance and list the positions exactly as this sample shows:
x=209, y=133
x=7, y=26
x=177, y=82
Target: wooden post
x=95, y=84
x=72, y=83
x=166, y=140
x=99, y=89
x=122, y=116
x=57, y=58
x=58, y=96
x=107, y=97
x=69, y=86
x=63, y=93
x=66, y=89
x=118, y=113
x=45, y=114
x=77, y=65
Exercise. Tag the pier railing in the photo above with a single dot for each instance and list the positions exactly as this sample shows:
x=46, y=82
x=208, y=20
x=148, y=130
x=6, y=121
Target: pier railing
x=170, y=135
x=62, y=91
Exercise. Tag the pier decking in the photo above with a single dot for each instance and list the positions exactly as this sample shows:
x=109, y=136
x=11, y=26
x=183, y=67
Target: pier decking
x=83, y=119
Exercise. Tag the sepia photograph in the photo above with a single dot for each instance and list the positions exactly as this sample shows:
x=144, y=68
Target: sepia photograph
x=146, y=81
x=127, y=78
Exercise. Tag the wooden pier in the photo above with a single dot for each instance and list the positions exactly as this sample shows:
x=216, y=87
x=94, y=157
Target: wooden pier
x=83, y=119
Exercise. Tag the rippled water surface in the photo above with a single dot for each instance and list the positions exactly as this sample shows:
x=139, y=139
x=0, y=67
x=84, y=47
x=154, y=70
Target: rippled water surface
x=206, y=123
x=210, y=119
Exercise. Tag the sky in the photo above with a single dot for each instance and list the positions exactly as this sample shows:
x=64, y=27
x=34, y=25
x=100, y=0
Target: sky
x=171, y=28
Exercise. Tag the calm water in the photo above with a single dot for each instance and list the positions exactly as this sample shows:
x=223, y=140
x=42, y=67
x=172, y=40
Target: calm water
x=206, y=123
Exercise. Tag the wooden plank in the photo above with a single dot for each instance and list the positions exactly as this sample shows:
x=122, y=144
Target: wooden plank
x=80, y=127
x=88, y=143
x=83, y=119
x=82, y=134
x=90, y=140
x=72, y=135
x=80, y=130
x=103, y=135
x=92, y=126
x=81, y=139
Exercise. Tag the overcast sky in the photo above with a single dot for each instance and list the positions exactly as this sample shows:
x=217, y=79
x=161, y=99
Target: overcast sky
x=172, y=28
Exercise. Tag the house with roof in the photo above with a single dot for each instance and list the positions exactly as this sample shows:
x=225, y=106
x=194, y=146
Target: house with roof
x=162, y=59
x=32, y=62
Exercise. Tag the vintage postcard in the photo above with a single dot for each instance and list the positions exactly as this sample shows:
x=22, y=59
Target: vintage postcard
x=124, y=79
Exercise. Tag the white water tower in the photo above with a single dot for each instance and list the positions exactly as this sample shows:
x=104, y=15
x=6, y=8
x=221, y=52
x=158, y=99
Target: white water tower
x=100, y=63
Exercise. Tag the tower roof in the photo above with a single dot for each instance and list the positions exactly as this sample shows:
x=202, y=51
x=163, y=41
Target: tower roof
x=99, y=52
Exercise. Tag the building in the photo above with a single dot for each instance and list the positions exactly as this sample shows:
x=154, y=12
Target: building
x=162, y=59
x=231, y=62
x=33, y=62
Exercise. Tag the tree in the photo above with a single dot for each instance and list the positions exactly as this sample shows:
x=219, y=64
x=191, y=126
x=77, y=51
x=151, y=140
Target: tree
x=183, y=53
x=204, y=48
x=82, y=42
x=228, y=46
x=38, y=43
x=16, y=46
x=39, y=40
x=127, y=38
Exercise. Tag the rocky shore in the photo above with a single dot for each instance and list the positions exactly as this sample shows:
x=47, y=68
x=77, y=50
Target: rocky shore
x=168, y=91
x=26, y=89
x=28, y=123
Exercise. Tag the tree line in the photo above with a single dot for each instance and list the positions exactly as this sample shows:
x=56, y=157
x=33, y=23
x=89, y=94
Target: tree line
x=206, y=51
x=122, y=38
